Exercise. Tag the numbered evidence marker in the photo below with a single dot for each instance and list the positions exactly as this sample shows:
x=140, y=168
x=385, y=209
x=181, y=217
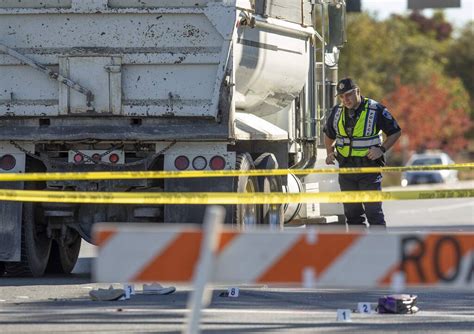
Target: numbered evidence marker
x=344, y=315
x=233, y=292
x=129, y=290
x=364, y=308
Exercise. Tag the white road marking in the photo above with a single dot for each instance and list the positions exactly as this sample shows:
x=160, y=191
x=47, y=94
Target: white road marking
x=437, y=209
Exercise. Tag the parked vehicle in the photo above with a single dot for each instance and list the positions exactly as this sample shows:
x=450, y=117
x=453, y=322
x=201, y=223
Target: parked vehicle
x=434, y=176
x=133, y=85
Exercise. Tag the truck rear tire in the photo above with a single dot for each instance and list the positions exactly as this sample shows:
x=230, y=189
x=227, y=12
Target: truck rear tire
x=272, y=214
x=35, y=245
x=246, y=214
x=63, y=258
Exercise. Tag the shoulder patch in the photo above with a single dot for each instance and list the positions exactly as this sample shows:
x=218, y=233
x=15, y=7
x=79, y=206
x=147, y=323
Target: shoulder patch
x=374, y=105
x=387, y=114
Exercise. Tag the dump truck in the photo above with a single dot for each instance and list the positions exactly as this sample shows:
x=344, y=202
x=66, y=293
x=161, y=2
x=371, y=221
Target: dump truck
x=158, y=85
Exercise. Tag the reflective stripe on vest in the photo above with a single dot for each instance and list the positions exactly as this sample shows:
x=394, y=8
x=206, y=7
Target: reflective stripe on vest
x=365, y=133
x=365, y=142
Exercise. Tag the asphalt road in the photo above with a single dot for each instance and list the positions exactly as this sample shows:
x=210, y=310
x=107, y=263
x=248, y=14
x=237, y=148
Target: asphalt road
x=433, y=214
x=62, y=304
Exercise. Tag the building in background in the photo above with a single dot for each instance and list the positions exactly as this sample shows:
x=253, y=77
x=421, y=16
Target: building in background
x=422, y=4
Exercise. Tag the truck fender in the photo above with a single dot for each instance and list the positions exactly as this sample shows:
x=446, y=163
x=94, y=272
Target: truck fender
x=10, y=225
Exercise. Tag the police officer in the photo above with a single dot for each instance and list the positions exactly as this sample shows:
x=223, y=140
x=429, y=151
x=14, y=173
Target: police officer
x=353, y=138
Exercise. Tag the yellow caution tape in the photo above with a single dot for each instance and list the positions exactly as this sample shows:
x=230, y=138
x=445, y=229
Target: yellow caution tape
x=223, y=173
x=226, y=198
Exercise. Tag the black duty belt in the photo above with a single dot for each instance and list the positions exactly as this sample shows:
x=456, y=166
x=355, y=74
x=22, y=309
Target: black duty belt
x=360, y=162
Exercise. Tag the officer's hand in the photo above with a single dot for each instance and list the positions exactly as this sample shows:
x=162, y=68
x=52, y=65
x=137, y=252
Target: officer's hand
x=330, y=158
x=374, y=153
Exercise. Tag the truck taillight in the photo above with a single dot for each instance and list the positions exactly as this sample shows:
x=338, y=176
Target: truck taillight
x=78, y=158
x=199, y=163
x=181, y=162
x=96, y=157
x=217, y=163
x=7, y=162
x=114, y=158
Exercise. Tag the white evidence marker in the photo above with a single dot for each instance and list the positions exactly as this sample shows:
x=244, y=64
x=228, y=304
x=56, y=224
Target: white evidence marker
x=364, y=308
x=344, y=315
x=128, y=290
x=233, y=292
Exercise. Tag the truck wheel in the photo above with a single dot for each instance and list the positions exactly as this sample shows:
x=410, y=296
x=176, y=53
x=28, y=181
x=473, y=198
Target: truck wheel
x=35, y=244
x=246, y=214
x=63, y=258
x=272, y=214
x=2, y=269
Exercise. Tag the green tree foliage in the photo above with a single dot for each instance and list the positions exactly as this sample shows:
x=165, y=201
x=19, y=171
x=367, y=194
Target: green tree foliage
x=461, y=59
x=368, y=57
x=418, y=58
x=380, y=52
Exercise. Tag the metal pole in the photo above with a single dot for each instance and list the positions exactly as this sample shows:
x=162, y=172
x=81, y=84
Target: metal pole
x=323, y=69
x=204, y=271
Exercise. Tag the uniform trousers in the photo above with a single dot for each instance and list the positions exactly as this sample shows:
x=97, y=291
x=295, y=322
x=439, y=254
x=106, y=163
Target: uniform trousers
x=355, y=212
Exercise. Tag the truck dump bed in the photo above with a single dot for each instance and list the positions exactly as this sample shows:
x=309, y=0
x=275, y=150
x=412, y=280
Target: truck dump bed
x=146, y=63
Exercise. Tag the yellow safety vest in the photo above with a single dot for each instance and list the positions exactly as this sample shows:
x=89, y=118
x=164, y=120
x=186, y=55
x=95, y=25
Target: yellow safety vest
x=365, y=133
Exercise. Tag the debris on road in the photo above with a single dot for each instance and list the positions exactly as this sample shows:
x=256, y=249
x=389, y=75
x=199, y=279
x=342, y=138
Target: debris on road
x=157, y=289
x=106, y=294
x=398, y=304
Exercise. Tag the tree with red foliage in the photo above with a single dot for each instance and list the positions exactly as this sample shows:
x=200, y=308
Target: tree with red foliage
x=433, y=115
x=436, y=25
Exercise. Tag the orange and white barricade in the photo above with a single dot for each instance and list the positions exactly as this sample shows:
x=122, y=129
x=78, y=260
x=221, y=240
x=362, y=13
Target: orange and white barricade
x=176, y=253
x=147, y=253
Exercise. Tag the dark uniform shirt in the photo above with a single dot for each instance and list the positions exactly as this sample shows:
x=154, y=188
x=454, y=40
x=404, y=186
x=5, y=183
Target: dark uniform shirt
x=383, y=118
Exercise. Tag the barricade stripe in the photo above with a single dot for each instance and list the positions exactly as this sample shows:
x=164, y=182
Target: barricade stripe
x=225, y=239
x=319, y=256
x=126, y=263
x=164, y=265
x=374, y=257
x=226, y=197
x=255, y=253
x=223, y=173
x=103, y=236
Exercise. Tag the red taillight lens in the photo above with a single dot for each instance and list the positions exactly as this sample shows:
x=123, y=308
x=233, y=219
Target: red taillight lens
x=114, y=158
x=78, y=158
x=217, y=163
x=96, y=157
x=181, y=163
x=7, y=162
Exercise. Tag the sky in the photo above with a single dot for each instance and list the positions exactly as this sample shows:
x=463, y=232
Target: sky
x=384, y=8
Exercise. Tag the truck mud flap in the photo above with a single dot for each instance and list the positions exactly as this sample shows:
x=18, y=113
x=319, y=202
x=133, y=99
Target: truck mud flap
x=194, y=214
x=10, y=225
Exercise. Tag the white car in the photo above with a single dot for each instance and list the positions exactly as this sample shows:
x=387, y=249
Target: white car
x=429, y=176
